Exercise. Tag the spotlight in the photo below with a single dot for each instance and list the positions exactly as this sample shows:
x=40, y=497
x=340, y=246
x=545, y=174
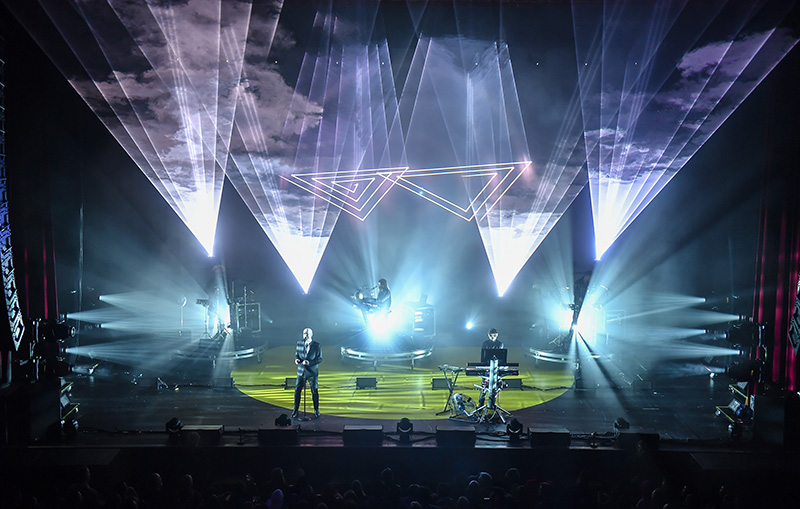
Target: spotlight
x=716, y=334
x=404, y=430
x=173, y=427
x=283, y=420
x=70, y=428
x=468, y=325
x=745, y=333
x=59, y=367
x=378, y=325
x=514, y=430
x=745, y=371
x=736, y=431
x=51, y=330
x=48, y=350
x=621, y=424
x=565, y=318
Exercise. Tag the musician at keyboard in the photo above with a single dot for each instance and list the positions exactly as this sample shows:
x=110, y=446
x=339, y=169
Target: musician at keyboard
x=492, y=343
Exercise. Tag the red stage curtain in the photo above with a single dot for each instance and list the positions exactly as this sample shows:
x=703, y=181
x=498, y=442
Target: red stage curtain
x=778, y=263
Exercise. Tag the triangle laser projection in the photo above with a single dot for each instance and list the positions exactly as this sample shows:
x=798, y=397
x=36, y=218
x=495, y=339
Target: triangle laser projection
x=462, y=93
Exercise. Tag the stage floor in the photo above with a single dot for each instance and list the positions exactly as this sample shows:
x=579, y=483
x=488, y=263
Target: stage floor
x=677, y=404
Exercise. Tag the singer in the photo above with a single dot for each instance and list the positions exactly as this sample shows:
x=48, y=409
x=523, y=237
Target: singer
x=307, y=356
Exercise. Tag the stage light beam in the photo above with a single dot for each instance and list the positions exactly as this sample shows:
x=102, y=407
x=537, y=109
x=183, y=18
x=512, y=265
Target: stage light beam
x=340, y=119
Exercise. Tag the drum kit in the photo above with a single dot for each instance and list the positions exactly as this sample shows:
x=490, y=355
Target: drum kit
x=233, y=309
x=461, y=406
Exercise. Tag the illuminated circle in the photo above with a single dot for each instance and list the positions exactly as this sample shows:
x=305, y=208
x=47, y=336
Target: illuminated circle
x=401, y=391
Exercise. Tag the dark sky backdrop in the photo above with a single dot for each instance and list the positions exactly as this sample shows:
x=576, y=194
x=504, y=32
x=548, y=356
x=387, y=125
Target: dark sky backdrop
x=698, y=237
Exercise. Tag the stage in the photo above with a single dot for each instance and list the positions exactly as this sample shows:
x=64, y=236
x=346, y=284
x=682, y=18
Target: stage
x=680, y=409
x=228, y=432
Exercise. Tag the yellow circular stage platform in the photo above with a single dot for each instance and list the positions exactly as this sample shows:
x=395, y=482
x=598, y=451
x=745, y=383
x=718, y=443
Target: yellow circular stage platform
x=400, y=391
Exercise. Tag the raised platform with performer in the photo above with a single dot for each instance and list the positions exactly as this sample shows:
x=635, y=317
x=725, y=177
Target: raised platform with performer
x=377, y=299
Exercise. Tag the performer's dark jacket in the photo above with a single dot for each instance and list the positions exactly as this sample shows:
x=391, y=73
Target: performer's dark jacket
x=492, y=345
x=384, y=300
x=314, y=357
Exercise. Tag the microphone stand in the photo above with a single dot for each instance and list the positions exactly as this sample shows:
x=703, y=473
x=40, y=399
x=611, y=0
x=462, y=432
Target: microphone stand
x=305, y=417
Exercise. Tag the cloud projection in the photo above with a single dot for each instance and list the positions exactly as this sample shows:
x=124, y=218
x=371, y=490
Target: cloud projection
x=656, y=83
x=311, y=113
x=340, y=120
x=163, y=78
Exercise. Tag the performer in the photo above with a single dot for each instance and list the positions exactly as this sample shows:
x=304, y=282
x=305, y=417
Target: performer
x=490, y=344
x=307, y=357
x=380, y=303
x=384, y=299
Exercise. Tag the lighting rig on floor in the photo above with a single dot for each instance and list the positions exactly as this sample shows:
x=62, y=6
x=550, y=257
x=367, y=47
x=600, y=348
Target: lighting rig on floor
x=745, y=374
x=42, y=353
x=37, y=369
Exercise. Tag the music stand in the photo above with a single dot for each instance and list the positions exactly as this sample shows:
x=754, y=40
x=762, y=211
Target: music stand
x=489, y=354
x=205, y=303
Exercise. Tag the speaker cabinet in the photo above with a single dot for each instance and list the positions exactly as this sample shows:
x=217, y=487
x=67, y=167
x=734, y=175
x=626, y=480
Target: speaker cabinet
x=455, y=437
x=630, y=439
x=209, y=434
x=289, y=435
x=776, y=419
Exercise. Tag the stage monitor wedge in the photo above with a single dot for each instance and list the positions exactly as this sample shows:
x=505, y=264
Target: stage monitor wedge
x=366, y=383
x=557, y=438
